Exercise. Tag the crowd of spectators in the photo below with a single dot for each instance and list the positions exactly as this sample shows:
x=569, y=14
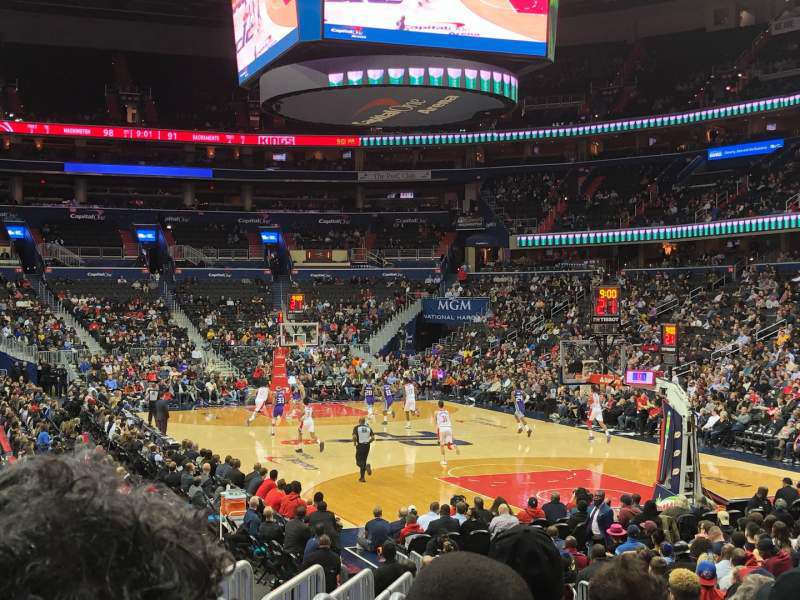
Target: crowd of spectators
x=28, y=321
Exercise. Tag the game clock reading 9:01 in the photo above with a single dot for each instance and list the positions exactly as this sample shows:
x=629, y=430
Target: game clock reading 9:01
x=606, y=301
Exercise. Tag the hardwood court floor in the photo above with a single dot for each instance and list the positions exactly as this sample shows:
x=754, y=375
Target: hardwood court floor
x=494, y=460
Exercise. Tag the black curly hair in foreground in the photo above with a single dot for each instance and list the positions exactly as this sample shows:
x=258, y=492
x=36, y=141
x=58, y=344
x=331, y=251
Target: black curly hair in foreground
x=68, y=530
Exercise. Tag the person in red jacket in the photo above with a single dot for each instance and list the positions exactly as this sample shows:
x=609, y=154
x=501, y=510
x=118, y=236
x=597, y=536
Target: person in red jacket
x=571, y=547
x=292, y=500
x=776, y=561
x=411, y=528
x=531, y=512
x=267, y=485
x=275, y=496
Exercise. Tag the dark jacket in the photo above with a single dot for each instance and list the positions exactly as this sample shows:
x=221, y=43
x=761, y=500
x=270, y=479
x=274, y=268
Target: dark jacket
x=328, y=520
x=553, y=511
x=296, y=536
x=594, y=566
x=236, y=477
x=388, y=573
x=330, y=563
x=162, y=409
x=269, y=531
x=442, y=525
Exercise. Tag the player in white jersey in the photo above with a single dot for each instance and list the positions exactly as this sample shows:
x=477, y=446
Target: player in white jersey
x=262, y=395
x=596, y=414
x=410, y=405
x=444, y=428
x=307, y=424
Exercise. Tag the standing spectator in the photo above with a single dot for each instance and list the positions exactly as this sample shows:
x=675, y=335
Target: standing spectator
x=787, y=492
x=601, y=517
x=162, y=415
x=683, y=585
x=627, y=511
x=707, y=574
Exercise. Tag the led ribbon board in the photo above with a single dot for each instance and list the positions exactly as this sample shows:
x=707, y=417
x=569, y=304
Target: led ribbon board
x=696, y=231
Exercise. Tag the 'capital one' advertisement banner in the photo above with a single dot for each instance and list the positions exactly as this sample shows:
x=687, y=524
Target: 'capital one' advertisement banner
x=453, y=310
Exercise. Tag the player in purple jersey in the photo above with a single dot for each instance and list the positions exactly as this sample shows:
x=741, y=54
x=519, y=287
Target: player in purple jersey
x=369, y=399
x=388, y=400
x=278, y=407
x=518, y=400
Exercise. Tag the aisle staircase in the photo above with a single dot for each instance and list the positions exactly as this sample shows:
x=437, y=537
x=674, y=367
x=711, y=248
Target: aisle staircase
x=212, y=361
x=47, y=297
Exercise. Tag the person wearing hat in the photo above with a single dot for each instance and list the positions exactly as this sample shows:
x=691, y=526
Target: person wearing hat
x=776, y=561
x=632, y=544
x=707, y=573
x=615, y=535
x=682, y=557
x=724, y=521
x=666, y=552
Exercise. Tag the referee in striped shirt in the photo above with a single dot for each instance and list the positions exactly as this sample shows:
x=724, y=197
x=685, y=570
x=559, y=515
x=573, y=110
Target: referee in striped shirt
x=362, y=438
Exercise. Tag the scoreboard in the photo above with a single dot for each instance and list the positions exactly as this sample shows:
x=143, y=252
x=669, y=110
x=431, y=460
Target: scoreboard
x=606, y=306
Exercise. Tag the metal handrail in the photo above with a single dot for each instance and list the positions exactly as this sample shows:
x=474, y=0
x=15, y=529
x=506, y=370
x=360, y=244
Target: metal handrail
x=302, y=586
x=238, y=584
x=402, y=585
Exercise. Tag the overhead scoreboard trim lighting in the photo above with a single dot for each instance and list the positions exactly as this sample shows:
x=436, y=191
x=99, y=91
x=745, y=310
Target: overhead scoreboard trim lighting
x=672, y=233
x=606, y=305
x=417, y=139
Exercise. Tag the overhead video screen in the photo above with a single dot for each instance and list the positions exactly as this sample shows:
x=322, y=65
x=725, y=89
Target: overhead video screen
x=519, y=27
x=263, y=30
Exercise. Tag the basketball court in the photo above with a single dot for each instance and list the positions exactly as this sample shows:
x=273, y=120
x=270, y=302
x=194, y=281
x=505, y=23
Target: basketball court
x=494, y=460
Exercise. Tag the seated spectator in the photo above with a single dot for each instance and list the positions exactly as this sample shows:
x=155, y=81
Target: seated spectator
x=292, y=500
x=411, y=528
x=322, y=516
x=707, y=574
x=252, y=518
x=431, y=515
x=313, y=542
x=275, y=496
x=625, y=577
x=328, y=560
x=267, y=485
x=444, y=524
x=531, y=512
x=632, y=543
x=473, y=523
x=390, y=570
x=468, y=576
x=269, y=530
x=503, y=521
x=555, y=509
x=530, y=553
x=376, y=532
x=297, y=532
x=776, y=561
x=760, y=501
x=571, y=548
x=683, y=584
x=129, y=539
x=598, y=557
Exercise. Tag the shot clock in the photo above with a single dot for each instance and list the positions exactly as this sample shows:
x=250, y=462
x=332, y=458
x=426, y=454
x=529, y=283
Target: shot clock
x=669, y=337
x=297, y=303
x=606, y=306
